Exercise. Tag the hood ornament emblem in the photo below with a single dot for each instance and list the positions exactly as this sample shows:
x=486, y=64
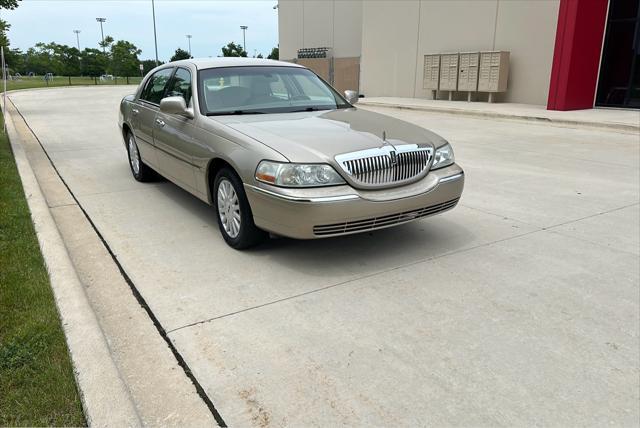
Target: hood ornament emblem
x=393, y=155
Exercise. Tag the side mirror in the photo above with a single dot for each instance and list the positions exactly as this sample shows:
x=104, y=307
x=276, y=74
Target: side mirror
x=351, y=96
x=175, y=105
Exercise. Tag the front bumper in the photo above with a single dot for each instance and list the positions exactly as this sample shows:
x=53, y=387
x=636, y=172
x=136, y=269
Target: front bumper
x=342, y=210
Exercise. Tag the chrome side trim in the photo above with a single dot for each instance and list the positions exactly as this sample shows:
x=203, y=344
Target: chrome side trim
x=343, y=198
x=340, y=198
x=451, y=177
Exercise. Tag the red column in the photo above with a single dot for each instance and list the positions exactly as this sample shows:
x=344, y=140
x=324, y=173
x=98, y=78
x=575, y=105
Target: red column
x=576, y=57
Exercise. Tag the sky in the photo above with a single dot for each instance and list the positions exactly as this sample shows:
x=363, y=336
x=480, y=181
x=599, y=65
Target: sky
x=212, y=23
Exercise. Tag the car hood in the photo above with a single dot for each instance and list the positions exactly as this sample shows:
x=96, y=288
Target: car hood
x=320, y=136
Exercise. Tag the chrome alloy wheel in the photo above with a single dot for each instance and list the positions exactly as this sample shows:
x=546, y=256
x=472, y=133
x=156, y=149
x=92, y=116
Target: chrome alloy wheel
x=134, y=156
x=229, y=208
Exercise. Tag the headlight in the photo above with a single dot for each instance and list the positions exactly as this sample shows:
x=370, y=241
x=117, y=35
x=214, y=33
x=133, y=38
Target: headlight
x=297, y=175
x=443, y=157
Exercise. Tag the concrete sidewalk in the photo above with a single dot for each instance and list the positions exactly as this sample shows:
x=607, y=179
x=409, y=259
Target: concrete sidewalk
x=611, y=119
x=126, y=373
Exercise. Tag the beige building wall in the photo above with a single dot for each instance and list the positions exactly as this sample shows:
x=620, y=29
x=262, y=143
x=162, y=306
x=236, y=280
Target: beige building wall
x=453, y=26
x=526, y=28
x=347, y=28
x=389, y=48
x=290, y=32
x=392, y=37
x=319, y=23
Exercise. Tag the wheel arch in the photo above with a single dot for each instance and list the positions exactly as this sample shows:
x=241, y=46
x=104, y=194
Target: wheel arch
x=215, y=165
x=125, y=130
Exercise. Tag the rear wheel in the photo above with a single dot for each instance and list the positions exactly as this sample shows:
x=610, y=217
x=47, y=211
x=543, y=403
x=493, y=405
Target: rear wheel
x=140, y=170
x=234, y=213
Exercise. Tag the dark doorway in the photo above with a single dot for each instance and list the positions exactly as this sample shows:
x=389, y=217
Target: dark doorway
x=619, y=82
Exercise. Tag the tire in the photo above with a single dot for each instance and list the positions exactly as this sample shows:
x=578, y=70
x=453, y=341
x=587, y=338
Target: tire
x=140, y=170
x=233, y=212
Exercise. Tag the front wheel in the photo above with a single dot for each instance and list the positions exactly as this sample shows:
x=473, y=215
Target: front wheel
x=140, y=170
x=234, y=213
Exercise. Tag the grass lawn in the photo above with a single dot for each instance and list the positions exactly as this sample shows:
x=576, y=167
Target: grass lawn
x=37, y=386
x=39, y=82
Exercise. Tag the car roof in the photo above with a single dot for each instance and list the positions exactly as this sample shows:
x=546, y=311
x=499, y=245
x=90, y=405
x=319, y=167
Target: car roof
x=204, y=63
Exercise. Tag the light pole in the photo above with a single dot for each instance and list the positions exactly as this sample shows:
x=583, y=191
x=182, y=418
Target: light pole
x=244, y=40
x=101, y=20
x=155, y=37
x=77, y=37
x=189, y=38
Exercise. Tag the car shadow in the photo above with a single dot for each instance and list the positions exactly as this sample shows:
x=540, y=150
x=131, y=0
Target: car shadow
x=359, y=254
x=370, y=251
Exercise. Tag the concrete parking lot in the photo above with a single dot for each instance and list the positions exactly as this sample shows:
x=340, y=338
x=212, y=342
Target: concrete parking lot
x=519, y=307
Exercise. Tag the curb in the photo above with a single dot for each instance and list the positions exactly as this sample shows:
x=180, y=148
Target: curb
x=106, y=401
x=503, y=116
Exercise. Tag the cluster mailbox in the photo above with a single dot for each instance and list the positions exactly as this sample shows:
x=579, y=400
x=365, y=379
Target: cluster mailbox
x=431, y=75
x=494, y=70
x=448, y=72
x=469, y=72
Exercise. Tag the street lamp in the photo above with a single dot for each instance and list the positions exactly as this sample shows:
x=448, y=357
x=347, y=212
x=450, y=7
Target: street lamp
x=189, y=38
x=155, y=37
x=102, y=20
x=77, y=37
x=244, y=40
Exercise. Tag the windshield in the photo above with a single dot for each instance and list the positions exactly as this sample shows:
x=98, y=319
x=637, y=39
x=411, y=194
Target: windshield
x=253, y=90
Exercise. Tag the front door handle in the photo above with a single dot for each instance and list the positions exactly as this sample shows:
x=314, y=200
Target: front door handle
x=135, y=111
x=160, y=122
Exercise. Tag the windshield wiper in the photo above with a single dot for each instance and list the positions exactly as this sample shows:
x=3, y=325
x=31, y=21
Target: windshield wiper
x=233, y=112
x=310, y=109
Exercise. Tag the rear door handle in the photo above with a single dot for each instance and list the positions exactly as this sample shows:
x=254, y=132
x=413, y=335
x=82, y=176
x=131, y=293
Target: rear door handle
x=135, y=111
x=160, y=122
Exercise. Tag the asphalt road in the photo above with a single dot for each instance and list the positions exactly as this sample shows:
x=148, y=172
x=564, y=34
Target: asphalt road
x=519, y=307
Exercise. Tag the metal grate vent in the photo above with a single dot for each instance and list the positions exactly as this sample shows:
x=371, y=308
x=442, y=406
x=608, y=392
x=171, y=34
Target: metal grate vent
x=386, y=165
x=381, y=222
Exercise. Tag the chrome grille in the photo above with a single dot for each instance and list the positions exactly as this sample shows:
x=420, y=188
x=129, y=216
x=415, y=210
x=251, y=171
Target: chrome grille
x=382, y=221
x=386, y=165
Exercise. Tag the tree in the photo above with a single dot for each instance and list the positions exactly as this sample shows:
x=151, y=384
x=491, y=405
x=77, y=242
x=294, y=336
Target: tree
x=15, y=60
x=106, y=43
x=149, y=64
x=259, y=56
x=275, y=53
x=8, y=4
x=39, y=59
x=233, y=49
x=124, y=58
x=4, y=27
x=180, y=54
x=53, y=58
x=66, y=60
x=94, y=62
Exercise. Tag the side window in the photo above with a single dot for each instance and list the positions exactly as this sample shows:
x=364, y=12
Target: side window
x=154, y=89
x=180, y=85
